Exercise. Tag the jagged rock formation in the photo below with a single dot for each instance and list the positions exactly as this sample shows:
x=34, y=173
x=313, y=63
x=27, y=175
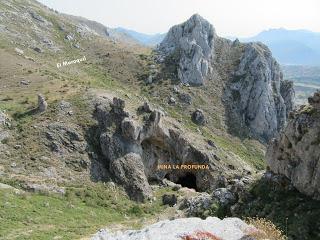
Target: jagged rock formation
x=42, y=104
x=259, y=96
x=296, y=152
x=186, y=228
x=4, y=122
x=192, y=42
x=145, y=149
x=256, y=98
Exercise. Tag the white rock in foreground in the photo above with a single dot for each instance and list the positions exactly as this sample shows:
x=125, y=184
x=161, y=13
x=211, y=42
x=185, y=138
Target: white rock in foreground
x=226, y=229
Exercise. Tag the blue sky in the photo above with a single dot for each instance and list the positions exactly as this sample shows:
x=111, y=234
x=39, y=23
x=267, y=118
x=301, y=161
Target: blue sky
x=241, y=18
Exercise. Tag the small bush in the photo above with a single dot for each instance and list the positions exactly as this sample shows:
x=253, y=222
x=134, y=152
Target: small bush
x=264, y=229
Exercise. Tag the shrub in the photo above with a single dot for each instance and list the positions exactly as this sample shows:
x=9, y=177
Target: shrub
x=264, y=229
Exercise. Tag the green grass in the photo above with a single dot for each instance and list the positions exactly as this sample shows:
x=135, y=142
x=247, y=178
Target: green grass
x=81, y=212
x=248, y=150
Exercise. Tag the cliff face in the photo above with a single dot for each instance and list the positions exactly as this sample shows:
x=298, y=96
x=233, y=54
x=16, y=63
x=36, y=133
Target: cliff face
x=258, y=95
x=255, y=96
x=296, y=152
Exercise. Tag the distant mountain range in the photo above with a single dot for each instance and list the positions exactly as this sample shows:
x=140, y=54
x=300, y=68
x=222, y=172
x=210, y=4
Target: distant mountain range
x=289, y=47
x=142, y=38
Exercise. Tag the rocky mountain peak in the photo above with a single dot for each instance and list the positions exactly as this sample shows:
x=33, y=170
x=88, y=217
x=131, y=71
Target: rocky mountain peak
x=255, y=95
x=191, y=43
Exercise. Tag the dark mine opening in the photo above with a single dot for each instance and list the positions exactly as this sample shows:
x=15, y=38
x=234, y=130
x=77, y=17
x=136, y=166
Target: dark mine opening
x=189, y=180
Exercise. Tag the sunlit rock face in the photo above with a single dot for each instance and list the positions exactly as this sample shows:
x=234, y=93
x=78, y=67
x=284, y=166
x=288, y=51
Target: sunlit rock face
x=192, y=43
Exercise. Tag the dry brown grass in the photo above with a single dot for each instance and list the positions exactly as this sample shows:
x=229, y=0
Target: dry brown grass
x=264, y=230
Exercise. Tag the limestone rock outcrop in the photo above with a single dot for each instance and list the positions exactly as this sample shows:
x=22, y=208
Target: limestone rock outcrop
x=260, y=97
x=186, y=228
x=192, y=43
x=256, y=98
x=150, y=148
x=296, y=152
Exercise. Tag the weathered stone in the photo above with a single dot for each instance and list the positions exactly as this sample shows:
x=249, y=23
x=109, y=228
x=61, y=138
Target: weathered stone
x=224, y=196
x=25, y=82
x=64, y=139
x=169, y=199
x=128, y=171
x=172, y=100
x=69, y=37
x=256, y=99
x=145, y=108
x=37, y=49
x=195, y=206
x=192, y=43
x=43, y=188
x=186, y=98
x=42, y=104
x=198, y=117
x=19, y=51
x=153, y=142
x=37, y=17
x=296, y=152
x=315, y=100
x=188, y=228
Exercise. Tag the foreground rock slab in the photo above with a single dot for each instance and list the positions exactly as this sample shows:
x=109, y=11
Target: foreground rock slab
x=226, y=229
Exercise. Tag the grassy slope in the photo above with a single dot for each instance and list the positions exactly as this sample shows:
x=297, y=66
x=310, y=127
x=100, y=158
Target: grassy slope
x=81, y=212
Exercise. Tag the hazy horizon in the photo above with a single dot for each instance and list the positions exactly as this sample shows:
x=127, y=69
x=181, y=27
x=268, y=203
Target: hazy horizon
x=230, y=18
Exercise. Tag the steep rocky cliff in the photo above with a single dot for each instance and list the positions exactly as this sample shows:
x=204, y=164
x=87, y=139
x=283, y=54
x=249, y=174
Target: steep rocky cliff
x=296, y=152
x=256, y=98
x=257, y=93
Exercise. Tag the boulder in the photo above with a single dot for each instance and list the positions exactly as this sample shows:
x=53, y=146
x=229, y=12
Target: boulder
x=185, y=98
x=4, y=119
x=172, y=100
x=37, y=17
x=169, y=199
x=224, y=196
x=185, y=228
x=42, y=104
x=295, y=153
x=197, y=205
x=198, y=117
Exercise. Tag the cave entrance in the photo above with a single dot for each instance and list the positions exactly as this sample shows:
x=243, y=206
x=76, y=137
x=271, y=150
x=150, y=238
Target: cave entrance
x=189, y=180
